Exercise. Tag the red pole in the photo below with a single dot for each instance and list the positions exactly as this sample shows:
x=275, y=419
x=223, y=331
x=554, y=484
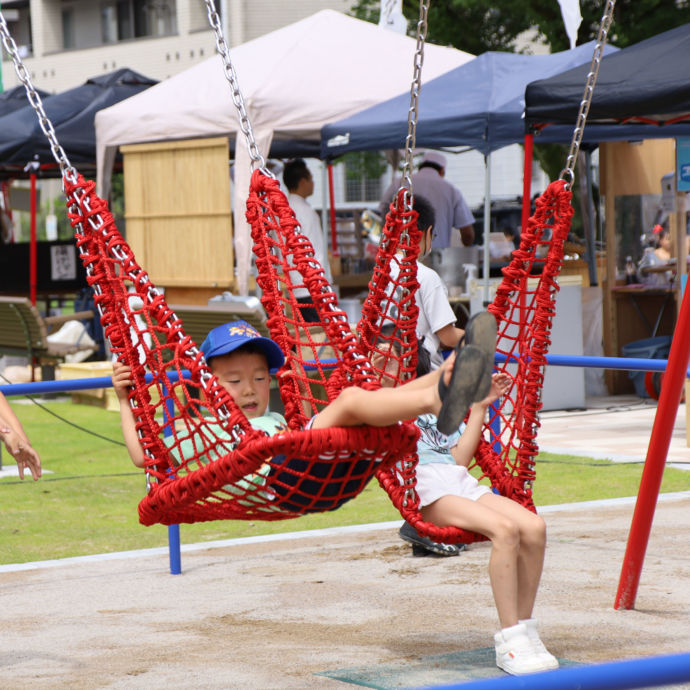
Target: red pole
x=334, y=228
x=32, y=245
x=659, y=442
x=527, y=181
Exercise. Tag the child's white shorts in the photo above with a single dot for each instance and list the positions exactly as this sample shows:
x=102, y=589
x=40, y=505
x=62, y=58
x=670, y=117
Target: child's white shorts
x=436, y=479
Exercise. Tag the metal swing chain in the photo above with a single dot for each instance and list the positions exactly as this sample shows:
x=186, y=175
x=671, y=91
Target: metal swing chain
x=568, y=173
x=258, y=161
x=412, y=115
x=415, y=88
x=36, y=102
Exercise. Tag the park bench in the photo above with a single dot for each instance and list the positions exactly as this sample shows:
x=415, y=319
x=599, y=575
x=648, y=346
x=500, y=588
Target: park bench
x=24, y=332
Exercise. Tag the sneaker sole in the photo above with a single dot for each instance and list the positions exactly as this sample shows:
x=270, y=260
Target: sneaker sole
x=481, y=331
x=469, y=373
x=425, y=544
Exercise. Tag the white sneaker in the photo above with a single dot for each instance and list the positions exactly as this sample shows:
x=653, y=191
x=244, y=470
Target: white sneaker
x=549, y=660
x=515, y=653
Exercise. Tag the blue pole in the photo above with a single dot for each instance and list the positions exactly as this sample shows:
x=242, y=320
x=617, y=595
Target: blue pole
x=174, y=553
x=619, y=675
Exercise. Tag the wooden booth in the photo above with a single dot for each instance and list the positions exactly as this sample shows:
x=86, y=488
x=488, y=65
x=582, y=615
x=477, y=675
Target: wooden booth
x=631, y=176
x=178, y=216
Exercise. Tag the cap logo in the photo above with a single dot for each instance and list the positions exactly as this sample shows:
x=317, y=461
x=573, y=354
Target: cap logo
x=243, y=330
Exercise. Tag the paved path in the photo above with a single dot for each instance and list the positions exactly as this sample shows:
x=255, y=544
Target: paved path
x=615, y=427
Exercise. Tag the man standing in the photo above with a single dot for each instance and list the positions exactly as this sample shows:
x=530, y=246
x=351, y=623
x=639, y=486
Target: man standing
x=300, y=184
x=450, y=208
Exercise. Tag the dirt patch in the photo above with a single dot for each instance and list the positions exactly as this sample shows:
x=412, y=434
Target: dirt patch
x=273, y=614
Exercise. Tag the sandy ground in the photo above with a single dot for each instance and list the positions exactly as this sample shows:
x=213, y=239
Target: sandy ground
x=275, y=613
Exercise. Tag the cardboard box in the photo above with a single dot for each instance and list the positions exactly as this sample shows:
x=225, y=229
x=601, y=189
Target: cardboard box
x=102, y=397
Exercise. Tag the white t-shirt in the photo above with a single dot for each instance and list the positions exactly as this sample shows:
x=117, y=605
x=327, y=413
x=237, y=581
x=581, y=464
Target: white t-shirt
x=435, y=311
x=311, y=227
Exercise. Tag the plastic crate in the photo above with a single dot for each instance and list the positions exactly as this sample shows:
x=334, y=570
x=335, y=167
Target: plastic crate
x=648, y=348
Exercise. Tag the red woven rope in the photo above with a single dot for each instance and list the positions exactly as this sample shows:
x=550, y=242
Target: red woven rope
x=214, y=464
x=524, y=307
x=305, y=471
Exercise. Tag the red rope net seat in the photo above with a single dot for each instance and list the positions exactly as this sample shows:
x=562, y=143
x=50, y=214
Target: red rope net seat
x=524, y=307
x=204, y=459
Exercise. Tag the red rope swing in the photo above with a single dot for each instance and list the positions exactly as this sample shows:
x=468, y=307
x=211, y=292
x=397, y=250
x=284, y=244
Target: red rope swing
x=207, y=462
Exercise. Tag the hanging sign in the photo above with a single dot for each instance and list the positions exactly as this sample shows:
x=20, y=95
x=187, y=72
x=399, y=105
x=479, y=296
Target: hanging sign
x=683, y=163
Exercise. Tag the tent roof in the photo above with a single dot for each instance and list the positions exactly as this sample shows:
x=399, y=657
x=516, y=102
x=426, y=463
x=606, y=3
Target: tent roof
x=72, y=114
x=15, y=98
x=293, y=80
x=479, y=104
x=648, y=80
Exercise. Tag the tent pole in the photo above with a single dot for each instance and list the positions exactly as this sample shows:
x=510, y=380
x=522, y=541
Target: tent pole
x=591, y=234
x=527, y=182
x=334, y=229
x=32, y=245
x=487, y=225
x=324, y=202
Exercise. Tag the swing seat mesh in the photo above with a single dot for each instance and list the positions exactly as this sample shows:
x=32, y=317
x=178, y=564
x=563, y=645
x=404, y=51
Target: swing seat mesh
x=524, y=307
x=204, y=460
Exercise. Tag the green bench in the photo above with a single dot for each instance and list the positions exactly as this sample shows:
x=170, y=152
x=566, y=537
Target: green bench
x=24, y=332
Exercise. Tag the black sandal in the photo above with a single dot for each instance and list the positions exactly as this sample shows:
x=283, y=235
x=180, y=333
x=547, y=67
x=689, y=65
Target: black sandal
x=461, y=391
x=481, y=331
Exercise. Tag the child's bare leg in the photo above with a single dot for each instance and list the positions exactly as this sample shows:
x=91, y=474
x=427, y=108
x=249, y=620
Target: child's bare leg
x=385, y=406
x=479, y=517
x=532, y=548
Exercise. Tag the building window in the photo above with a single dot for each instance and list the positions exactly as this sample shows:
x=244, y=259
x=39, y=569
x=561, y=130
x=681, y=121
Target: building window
x=18, y=17
x=68, y=29
x=362, y=177
x=126, y=19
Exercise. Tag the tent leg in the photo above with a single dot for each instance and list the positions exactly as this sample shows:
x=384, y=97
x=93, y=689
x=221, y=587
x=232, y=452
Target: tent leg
x=527, y=182
x=591, y=231
x=334, y=229
x=487, y=225
x=32, y=246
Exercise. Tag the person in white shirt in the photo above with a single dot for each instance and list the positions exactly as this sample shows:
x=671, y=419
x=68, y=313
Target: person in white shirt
x=300, y=185
x=436, y=320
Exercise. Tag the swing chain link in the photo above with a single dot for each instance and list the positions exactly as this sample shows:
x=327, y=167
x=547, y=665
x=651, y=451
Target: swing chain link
x=568, y=173
x=415, y=89
x=36, y=102
x=258, y=161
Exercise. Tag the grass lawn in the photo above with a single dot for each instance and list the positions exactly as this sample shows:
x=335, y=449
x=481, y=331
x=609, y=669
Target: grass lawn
x=87, y=500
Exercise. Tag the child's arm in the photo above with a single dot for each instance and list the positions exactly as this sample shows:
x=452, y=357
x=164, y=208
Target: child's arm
x=17, y=442
x=464, y=450
x=449, y=336
x=121, y=383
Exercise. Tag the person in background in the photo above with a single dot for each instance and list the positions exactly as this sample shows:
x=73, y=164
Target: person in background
x=664, y=244
x=300, y=185
x=17, y=442
x=450, y=208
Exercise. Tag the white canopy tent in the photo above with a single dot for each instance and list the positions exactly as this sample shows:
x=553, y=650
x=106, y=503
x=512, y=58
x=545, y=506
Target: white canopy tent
x=294, y=80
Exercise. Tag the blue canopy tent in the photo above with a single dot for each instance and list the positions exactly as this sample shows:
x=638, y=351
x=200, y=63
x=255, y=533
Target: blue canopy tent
x=479, y=104
x=642, y=91
x=25, y=150
x=15, y=98
x=72, y=113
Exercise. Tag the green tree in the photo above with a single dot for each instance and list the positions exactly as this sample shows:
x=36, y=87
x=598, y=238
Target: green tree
x=476, y=26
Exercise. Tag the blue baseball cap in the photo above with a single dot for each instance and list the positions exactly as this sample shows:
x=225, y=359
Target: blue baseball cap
x=227, y=338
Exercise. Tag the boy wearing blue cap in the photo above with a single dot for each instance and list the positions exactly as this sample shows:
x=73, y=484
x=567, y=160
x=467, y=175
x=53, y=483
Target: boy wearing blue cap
x=242, y=361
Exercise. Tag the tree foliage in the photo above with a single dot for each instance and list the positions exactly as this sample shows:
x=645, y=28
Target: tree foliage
x=476, y=26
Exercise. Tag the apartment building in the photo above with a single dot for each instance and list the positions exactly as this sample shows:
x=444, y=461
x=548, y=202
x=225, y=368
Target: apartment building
x=64, y=42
